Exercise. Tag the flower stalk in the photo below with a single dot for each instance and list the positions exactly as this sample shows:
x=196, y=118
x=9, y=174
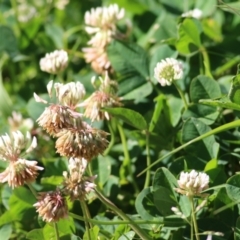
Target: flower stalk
x=121, y=214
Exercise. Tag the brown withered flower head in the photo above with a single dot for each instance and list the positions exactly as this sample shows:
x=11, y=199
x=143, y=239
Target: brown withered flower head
x=105, y=96
x=51, y=206
x=75, y=184
x=81, y=142
x=62, y=114
x=56, y=117
x=20, y=170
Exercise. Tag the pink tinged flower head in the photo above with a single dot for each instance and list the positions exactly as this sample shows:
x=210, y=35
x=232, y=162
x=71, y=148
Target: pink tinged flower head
x=193, y=183
x=20, y=172
x=54, y=62
x=168, y=70
x=51, y=206
x=98, y=58
x=106, y=96
x=12, y=147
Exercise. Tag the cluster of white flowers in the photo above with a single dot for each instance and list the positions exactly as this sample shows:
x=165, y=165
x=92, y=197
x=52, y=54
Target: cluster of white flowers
x=168, y=70
x=195, y=13
x=192, y=183
x=54, y=62
x=101, y=24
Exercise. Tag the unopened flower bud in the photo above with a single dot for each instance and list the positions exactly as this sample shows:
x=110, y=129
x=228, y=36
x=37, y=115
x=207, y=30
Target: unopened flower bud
x=178, y=212
x=195, y=13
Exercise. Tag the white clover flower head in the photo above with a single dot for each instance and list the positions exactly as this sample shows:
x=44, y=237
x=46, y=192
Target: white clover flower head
x=168, y=70
x=193, y=183
x=195, y=13
x=17, y=122
x=11, y=147
x=25, y=12
x=54, y=62
x=69, y=94
x=61, y=4
x=103, y=17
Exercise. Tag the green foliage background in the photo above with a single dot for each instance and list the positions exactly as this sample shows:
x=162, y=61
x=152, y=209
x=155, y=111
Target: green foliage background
x=153, y=128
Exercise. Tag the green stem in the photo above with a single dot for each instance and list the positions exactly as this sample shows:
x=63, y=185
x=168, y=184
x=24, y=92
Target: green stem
x=85, y=217
x=121, y=214
x=148, y=173
x=88, y=215
x=229, y=64
x=32, y=190
x=56, y=230
x=112, y=141
x=127, y=160
x=194, y=219
x=181, y=95
x=206, y=62
x=225, y=207
x=192, y=229
x=222, y=128
x=139, y=222
x=74, y=49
